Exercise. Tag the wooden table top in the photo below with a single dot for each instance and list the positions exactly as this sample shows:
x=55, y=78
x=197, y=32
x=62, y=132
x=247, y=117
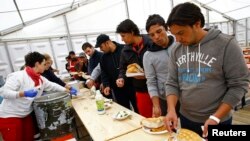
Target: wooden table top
x=104, y=127
x=140, y=135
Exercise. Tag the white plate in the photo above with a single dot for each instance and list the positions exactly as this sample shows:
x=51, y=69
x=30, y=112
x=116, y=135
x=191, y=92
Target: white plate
x=73, y=73
x=147, y=130
x=121, y=115
x=107, y=106
x=134, y=74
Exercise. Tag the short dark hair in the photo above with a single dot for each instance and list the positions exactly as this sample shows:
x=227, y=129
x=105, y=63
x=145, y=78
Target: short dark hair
x=72, y=53
x=128, y=26
x=86, y=45
x=68, y=57
x=154, y=20
x=33, y=57
x=185, y=14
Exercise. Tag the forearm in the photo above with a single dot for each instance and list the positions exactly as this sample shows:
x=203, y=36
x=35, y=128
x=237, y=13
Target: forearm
x=155, y=101
x=171, y=101
x=21, y=94
x=96, y=72
x=11, y=94
x=222, y=111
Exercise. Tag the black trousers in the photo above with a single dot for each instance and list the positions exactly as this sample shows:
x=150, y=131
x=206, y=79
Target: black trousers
x=124, y=96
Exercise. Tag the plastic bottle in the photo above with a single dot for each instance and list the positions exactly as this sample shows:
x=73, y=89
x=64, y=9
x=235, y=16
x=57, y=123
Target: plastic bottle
x=99, y=103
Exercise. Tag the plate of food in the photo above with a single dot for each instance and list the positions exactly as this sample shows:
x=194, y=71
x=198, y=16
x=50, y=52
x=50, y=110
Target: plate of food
x=134, y=70
x=154, y=125
x=121, y=115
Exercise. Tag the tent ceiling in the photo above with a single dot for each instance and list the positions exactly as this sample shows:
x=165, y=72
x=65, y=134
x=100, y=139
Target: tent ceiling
x=15, y=14
x=29, y=10
x=236, y=9
x=19, y=13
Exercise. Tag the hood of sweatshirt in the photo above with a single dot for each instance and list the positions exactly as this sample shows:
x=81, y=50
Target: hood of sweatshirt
x=156, y=47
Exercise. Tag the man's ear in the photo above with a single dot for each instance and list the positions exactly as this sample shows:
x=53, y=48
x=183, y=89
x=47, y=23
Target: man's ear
x=197, y=24
x=36, y=64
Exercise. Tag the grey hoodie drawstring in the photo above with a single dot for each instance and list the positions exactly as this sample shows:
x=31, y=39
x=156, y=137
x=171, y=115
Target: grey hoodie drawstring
x=199, y=48
x=187, y=60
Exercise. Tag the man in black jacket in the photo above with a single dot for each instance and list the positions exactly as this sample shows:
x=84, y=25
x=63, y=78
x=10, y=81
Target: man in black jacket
x=136, y=46
x=110, y=70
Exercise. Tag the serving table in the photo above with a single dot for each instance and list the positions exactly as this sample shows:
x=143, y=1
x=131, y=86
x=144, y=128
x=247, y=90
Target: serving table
x=104, y=127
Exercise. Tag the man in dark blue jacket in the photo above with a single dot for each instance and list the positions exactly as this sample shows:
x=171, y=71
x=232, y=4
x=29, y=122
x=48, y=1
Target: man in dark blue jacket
x=94, y=60
x=110, y=70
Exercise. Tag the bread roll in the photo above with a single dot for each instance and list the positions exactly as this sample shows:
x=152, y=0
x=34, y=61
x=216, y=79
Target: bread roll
x=134, y=68
x=153, y=122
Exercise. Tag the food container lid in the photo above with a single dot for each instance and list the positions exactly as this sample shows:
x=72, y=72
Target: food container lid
x=51, y=97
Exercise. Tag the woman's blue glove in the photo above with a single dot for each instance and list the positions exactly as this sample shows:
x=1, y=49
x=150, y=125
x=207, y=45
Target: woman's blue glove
x=73, y=91
x=30, y=93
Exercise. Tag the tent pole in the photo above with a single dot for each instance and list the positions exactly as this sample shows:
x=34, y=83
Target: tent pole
x=127, y=10
x=70, y=45
x=208, y=20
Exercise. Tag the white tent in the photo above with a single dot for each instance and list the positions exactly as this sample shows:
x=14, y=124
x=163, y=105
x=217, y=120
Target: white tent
x=58, y=26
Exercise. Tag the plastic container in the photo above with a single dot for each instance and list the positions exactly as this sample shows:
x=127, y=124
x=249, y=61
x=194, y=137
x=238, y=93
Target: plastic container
x=54, y=114
x=74, y=84
x=99, y=103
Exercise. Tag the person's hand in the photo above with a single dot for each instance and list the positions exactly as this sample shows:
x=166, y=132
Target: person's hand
x=30, y=93
x=156, y=111
x=73, y=91
x=205, y=130
x=120, y=82
x=171, y=121
x=90, y=83
x=80, y=74
x=101, y=88
x=67, y=86
x=106, y=91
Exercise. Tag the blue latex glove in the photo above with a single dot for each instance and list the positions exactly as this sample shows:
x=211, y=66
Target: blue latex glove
x=30, y=93
x=73, y=91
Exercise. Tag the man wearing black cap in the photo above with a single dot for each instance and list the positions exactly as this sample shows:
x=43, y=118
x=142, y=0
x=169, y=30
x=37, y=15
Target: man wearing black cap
x=110, y=70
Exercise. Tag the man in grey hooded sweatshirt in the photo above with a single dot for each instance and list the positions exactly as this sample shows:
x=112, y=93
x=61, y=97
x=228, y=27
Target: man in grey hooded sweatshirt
x=155, y=62
x=207, y=72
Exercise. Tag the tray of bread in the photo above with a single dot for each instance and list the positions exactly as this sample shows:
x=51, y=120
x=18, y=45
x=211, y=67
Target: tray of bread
x=134, y=70
x=183, y=134
x=154, y=125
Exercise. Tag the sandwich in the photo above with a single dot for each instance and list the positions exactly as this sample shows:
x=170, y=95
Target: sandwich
x=154, y=124
x=134, y=68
